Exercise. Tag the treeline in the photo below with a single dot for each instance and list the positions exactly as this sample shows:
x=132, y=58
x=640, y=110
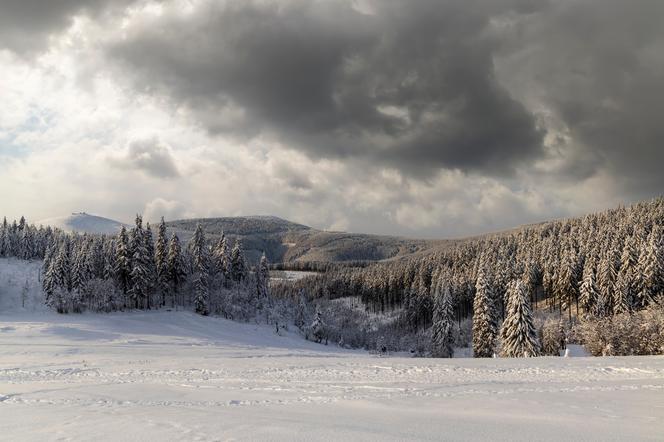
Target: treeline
x=603, y=264
x=135, y=270
x=24, y=241
x=318, y=266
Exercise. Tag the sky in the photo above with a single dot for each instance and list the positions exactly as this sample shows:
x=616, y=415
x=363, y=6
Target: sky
x=421, y=118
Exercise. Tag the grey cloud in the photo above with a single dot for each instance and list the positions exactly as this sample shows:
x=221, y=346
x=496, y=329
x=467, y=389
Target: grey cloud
x=149, y=155
x=411, y=86
x=599, y=66
x=26, y=25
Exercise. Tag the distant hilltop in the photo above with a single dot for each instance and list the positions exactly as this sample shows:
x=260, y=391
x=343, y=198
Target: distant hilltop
x=281, y=240
x=83, y=222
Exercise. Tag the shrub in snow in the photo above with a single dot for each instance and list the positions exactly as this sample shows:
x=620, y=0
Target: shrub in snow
x=640, y=333
x=553, y=335
x=317, y=329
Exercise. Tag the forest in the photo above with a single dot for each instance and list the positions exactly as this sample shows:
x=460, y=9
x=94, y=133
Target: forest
x=596, y=281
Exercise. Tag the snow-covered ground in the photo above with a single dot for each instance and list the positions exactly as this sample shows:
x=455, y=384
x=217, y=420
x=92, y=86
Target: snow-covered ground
x=177, y=376
x=290, y=275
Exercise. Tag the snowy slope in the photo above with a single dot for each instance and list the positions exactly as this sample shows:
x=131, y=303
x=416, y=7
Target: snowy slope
x=20, y=287
x=177, y=376
x=83, y=223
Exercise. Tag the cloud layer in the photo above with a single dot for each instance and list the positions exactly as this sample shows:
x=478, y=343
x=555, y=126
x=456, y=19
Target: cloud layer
x=424, y=118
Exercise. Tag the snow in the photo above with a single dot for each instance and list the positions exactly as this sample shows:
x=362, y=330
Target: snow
x=174, y=375
x=84, y=223
x=290, y=275
x=574, y=351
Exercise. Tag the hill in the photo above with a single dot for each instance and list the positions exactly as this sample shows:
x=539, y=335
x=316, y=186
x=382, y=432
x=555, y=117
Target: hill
x=83, y=223
x=286, y=241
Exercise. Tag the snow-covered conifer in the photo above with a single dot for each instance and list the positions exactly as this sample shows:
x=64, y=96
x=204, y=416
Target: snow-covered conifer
x=161, y=261
x=175, y=267
x=238, y=263
x=443, y=322
x=649, y=270
x=318, y=328
x=140, y=276
x=624, y=295
x=518, y=334
x=589, y=293
x=485, y=319
x=263, y=278
x=122, y=263
x=200, y=258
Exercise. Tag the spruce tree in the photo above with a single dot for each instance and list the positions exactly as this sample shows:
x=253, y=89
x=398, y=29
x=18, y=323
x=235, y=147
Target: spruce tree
x=221, y=257
x=161, y=261
x=150, y=263
x=201, y=271
x=649, y=271
x=625, y=282
x=122, y=263
x=606, y=283
x=443, y=322
x=140, y=278
x=568, y=281
x=80, y=274
x=263, y=278
x=62, y=279
x=589, y=294
x=238, y=263
x=485, y=318
x=4, y=232
x=176, y=269
x=518, y=334
x=50, y=284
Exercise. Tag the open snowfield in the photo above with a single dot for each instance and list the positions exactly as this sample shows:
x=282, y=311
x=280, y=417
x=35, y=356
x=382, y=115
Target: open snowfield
x=177, y=376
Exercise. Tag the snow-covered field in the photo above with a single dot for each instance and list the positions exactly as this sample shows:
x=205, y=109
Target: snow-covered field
x=177, y=376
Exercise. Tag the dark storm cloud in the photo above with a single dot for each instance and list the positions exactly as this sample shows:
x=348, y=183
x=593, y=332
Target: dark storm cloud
x=410, y=85
x=25, y=25
x=599, y=66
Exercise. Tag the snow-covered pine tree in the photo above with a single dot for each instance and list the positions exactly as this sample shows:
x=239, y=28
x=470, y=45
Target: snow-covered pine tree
x=624, y=293
x=568, y=281
x=151, y=266
x=518, y=334
x=606, y=283
x=589, y=294
x=4, y=232
x=302, y=315
x=161, y=261
x=95, y=257
x=200, y=258
x=80, y=275
x=62, y=278
x=140, y=277
x=485, y=317
x=263, y=278
x=649, y=270
x=50, y=284
x=27, y=244
x=221, y=257
x=238, y=263
x=318, y=328
x=122, y=263
x=442, y=338
x=175, y=267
